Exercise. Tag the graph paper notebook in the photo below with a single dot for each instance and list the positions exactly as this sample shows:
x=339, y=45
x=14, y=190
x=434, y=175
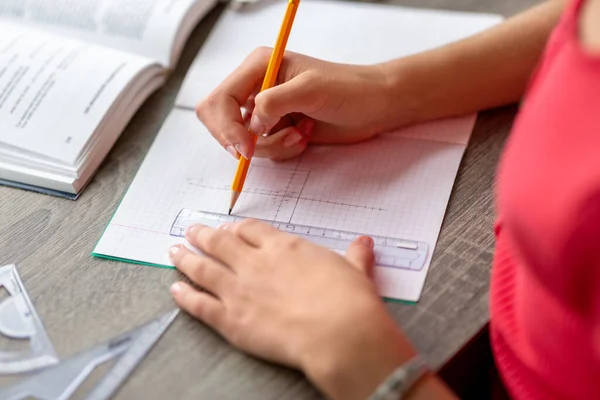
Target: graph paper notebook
x=395, y=187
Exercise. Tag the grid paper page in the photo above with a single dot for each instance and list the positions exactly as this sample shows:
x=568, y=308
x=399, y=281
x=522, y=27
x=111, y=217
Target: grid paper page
x=394, y=185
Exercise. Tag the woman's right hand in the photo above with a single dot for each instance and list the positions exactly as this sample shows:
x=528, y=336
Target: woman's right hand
x=314, y=100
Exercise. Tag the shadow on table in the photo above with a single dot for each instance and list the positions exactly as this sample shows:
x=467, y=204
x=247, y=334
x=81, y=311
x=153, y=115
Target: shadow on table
x=472, y=373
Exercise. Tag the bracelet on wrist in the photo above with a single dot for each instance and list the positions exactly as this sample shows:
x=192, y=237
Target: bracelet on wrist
x=401, y=380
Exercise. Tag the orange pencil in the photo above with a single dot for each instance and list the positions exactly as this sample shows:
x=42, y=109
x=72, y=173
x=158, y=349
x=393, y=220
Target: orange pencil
x=268, y=82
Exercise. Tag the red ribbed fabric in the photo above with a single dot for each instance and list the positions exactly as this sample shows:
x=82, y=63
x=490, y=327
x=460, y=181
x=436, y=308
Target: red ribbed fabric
x=545, y=292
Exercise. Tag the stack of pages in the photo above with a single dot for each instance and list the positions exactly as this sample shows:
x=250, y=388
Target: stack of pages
x=72, y=74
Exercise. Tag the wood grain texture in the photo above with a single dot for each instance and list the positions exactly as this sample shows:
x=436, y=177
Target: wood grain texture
x=83, y=300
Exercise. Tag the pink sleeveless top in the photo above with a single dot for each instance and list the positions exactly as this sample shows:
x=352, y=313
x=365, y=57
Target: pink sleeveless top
x=545, y=291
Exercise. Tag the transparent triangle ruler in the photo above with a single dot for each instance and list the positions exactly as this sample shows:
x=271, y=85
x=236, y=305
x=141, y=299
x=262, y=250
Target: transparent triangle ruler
x=19, y=321
x=60, y=381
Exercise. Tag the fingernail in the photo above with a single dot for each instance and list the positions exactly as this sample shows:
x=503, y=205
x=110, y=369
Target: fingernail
x=366, y=241
x=224, y=226
x=242, y=150
x=232, y=151
x=292, y=139
x=176, y=288
x=257, y=126
x=309, y=126
x=192, y=230
x=173, y=252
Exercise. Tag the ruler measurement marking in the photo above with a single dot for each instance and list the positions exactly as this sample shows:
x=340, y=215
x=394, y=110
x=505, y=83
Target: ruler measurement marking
x=389, y=252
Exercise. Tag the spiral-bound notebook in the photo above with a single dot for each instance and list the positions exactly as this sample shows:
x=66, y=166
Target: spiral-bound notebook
x=394, y=187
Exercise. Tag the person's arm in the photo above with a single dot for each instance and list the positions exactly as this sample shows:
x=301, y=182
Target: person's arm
x=325, y=102
x=590, y=26
x=356, y=387
x=486, y=70
x=287, y=300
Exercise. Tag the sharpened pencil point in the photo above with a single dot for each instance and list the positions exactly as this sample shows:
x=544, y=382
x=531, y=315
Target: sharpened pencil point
x=234, y=197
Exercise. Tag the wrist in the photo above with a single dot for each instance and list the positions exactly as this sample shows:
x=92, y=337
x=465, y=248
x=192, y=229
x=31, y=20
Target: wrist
x=412, y=89
x=431, y=85
x=353, y=366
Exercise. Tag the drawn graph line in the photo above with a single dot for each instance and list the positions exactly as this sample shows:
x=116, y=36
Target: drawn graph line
x=298, y=199
x=286, y=193
x=289, y=194
x=389, y=252
x=287, y=188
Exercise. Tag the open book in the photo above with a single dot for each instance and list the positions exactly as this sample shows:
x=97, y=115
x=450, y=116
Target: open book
x=72, y=74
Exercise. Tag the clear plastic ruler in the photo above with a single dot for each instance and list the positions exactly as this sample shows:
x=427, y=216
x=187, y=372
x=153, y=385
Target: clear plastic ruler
x=19, y=321
x=389, y=252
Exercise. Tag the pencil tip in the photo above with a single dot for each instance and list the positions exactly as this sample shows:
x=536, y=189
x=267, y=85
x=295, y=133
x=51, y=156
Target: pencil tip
x=234, y=197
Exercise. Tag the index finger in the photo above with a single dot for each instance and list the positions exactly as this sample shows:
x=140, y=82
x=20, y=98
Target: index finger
x=243, y=81
x=221, y=110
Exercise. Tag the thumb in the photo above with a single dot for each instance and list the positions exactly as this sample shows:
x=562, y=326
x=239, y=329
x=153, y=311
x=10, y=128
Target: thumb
x=361, y=255
x=297, y=95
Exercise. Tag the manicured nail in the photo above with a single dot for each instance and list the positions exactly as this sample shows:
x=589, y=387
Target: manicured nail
x=192, y=230
x=366, y=241
x=242, y=150
x=232, y=151
x=176, y=288
x=173, y=252
x=292, y=139
x=257, y=126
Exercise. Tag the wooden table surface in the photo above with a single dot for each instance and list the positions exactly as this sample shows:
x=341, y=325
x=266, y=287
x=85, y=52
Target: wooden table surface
x=83, y=300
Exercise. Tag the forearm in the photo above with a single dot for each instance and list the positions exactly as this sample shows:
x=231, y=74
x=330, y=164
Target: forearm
x=352, y=371
x=359, y=382
x=486, y=70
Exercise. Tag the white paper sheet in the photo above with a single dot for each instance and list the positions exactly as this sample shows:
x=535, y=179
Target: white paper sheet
x=393, y=185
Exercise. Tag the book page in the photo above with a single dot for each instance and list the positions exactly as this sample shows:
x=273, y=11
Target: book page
x=54, y=91
x=144, y=27
x=394, y=188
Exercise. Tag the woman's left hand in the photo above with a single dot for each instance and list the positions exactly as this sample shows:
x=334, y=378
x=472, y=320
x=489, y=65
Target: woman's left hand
x=287, y=300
